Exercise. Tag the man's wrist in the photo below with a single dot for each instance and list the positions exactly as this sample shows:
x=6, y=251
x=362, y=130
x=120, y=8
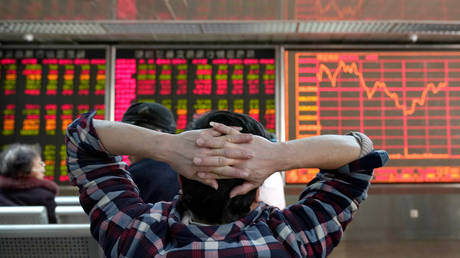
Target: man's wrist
x=161, y=147
x=282, y=157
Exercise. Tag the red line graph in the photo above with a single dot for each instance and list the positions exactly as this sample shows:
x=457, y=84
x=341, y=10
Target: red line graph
x=373, y=10
x=370, y=91
x=407, y=102
x=342, y=12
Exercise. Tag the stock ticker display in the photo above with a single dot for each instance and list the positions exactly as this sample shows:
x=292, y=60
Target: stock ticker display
x=191, y=82
x=42, y=91
x=407, y=102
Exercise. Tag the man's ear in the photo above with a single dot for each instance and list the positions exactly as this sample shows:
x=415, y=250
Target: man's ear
x=179, y=179
x=256, y=200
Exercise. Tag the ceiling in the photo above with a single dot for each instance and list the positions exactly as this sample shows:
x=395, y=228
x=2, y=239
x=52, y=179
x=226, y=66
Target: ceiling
x=230, y=31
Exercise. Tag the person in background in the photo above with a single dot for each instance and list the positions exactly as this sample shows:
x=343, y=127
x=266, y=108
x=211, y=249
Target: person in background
x=22, y=182
x=218, y=214
x=156, y=180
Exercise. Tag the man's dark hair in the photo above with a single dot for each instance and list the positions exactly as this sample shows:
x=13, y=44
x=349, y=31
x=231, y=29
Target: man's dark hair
x=17, y=159
x=214, y=206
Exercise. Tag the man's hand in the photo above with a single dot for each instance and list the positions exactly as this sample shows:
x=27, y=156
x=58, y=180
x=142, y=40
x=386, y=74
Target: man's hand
x=189, y=149
x=324, y=151
x=255, y=170
x=179, y=150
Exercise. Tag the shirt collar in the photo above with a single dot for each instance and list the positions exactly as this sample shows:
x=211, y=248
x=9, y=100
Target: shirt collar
x=185, y=231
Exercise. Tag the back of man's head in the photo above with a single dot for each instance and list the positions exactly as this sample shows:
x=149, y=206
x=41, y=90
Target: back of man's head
x=150, y=115
x=207, y=204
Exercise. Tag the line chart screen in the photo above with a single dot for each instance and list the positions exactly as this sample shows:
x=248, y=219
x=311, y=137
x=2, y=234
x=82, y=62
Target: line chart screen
x=407, y=102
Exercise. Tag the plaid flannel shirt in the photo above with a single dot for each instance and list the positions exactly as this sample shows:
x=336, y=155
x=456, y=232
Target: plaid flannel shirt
x=125, y=226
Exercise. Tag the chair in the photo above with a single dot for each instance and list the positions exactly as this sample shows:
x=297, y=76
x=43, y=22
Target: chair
x=23, y=215
x=71, y=240
x=71, y=215
x=67, y=201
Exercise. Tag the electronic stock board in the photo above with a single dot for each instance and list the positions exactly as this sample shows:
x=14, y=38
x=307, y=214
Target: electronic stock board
x=191, y=82
x=407, y=102
x=42, y=90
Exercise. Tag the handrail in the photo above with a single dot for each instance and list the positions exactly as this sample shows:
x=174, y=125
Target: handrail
x=42, y=230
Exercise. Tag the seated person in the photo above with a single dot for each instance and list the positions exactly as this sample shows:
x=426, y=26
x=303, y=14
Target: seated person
x=21, y=179
x=156, y=180
x=218, y=214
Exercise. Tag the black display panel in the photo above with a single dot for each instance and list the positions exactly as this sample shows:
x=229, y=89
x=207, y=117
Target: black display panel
x=191, y=82
x=42, y=91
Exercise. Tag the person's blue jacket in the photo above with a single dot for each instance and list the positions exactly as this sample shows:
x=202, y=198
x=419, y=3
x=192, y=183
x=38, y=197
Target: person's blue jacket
x=156, y=180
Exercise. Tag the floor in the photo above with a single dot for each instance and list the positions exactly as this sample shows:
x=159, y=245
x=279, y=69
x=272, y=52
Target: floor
x=400, y=249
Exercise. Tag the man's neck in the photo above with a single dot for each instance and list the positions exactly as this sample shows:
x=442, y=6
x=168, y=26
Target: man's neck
x=188, y=217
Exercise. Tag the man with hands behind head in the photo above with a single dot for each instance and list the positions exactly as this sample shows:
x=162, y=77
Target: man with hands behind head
x=126, y=226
